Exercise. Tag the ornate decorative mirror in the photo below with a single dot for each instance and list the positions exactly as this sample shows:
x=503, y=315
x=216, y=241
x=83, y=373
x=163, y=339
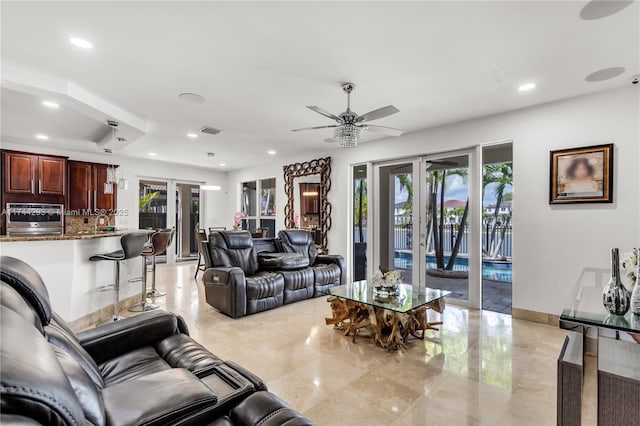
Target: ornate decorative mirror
x=307, y=186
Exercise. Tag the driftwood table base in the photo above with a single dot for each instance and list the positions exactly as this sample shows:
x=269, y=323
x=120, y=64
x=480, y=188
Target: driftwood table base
x=389, y=329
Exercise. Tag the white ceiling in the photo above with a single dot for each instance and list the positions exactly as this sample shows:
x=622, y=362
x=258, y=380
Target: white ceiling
x=259, y=64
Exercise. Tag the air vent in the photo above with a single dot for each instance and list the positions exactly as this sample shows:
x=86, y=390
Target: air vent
x=210, y=130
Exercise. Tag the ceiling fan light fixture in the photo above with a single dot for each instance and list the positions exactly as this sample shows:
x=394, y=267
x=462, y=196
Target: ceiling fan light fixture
x=348, y=135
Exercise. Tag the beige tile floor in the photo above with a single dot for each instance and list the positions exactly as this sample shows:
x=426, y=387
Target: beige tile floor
x=482, y=368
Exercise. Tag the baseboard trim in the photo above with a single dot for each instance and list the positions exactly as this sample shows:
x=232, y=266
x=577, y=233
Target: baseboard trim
x=102, y=314
x=535, y=316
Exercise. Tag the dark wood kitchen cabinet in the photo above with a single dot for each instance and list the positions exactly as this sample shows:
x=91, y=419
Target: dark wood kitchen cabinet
x=80, y=185
x=86, y=187
x=102, y=200
x=33, y=178
x=51, y=175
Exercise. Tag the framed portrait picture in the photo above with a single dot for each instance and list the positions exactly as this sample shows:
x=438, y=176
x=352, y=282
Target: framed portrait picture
x=582, y=175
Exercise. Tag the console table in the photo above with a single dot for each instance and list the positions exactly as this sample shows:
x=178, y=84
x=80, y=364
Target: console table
x=618, y=356
x=391, y=319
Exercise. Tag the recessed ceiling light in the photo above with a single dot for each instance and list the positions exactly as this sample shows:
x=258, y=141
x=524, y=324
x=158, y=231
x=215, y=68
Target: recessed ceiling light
x=526, y=87
x=271, y=152
x=192, y=135
x=50, y=104
x=153, y=154
x=223, y=164
x=192, y=98
x=42, y=137
x=604, y=74
x=598, y=9
x=80, y=42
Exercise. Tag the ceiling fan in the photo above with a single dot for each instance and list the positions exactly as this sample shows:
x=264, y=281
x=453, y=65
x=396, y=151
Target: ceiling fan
x=348, y=131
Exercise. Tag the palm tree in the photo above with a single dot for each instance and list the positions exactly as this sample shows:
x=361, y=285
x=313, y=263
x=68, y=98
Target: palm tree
x=439, y=179
x=406, y=182
x=361, y=206
x=502, y=175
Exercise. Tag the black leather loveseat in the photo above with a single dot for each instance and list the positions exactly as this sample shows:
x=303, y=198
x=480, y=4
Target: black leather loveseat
x=144, y=370
x=245, y=276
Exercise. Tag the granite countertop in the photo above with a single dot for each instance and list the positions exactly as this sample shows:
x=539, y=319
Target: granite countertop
x=72, y=236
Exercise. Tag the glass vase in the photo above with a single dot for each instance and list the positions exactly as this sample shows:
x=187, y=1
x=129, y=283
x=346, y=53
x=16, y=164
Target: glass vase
x=616, y=297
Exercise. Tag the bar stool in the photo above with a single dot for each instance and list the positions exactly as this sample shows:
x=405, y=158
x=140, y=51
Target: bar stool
x=132, y=245
x=144, y=306
x=159, y=243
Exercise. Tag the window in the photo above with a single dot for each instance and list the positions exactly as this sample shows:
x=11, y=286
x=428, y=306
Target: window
x=258, y=203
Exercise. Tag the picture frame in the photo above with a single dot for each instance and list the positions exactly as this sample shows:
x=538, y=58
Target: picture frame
x=582, y=175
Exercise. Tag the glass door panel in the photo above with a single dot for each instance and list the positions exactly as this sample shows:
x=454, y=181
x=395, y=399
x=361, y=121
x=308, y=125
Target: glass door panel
x=395, y=242
x=360, y=210
x=497, y=229
x=152, y=205
x=187, y=219
x=445, y=236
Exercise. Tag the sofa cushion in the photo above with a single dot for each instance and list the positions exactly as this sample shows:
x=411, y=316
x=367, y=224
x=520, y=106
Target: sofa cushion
x=264, y=284
x=165, y=397
x=86, y=391
x=60, y=336
x=266, y=409
x=13, y=300
x=327, y=274
x=298, y=285
x=181, y=351
x=233, y=248
x=28, y=283
x=131, y=365
x=299, y=241
x=282, y=261
x=33, y=382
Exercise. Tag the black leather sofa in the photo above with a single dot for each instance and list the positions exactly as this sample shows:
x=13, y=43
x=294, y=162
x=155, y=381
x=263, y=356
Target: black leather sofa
x=245, y=276
x=143, y=370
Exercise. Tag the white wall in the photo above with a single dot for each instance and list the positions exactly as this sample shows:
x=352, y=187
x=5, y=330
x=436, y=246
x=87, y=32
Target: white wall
x=552, y=243
x=134, y=168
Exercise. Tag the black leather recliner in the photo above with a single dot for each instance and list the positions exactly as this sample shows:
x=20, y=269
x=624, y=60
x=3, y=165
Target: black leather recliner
x=328, y=270
x=245, y=276
x=140, y=370
x=235, y=285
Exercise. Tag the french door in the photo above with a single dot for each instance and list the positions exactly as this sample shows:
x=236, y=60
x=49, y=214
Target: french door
x=427, y=212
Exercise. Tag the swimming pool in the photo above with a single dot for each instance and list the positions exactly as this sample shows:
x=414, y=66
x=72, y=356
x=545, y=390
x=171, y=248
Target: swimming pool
x=497, y=271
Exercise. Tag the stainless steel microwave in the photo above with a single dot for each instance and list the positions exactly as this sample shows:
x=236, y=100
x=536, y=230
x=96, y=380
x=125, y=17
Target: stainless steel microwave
x=35, y=219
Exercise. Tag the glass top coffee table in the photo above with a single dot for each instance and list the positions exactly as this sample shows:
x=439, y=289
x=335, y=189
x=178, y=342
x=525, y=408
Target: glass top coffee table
x=391, y=318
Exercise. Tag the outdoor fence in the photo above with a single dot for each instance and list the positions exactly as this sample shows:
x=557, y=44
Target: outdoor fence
x=403, y=237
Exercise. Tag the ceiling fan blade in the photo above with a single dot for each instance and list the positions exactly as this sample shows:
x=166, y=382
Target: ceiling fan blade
x=377, y=113
x=314, y=128
x=325, y=113
x=330, y=140
x=384, y=130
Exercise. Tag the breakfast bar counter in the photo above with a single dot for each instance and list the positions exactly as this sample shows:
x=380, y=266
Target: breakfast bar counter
x=77, y=285
x=71, y=236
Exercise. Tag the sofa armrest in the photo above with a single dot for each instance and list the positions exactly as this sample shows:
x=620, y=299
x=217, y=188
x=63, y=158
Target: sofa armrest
x=165, y=397
x=226, y=290
x=335, y=259
x=114, y=339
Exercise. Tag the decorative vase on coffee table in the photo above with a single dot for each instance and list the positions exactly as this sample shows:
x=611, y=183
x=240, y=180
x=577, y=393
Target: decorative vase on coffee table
x=615, y=296
x=635, y=294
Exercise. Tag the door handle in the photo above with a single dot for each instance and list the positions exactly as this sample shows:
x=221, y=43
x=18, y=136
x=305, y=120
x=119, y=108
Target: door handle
x=40, y=186
x=95, y=195
x=88, y=198
x=33, y=191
